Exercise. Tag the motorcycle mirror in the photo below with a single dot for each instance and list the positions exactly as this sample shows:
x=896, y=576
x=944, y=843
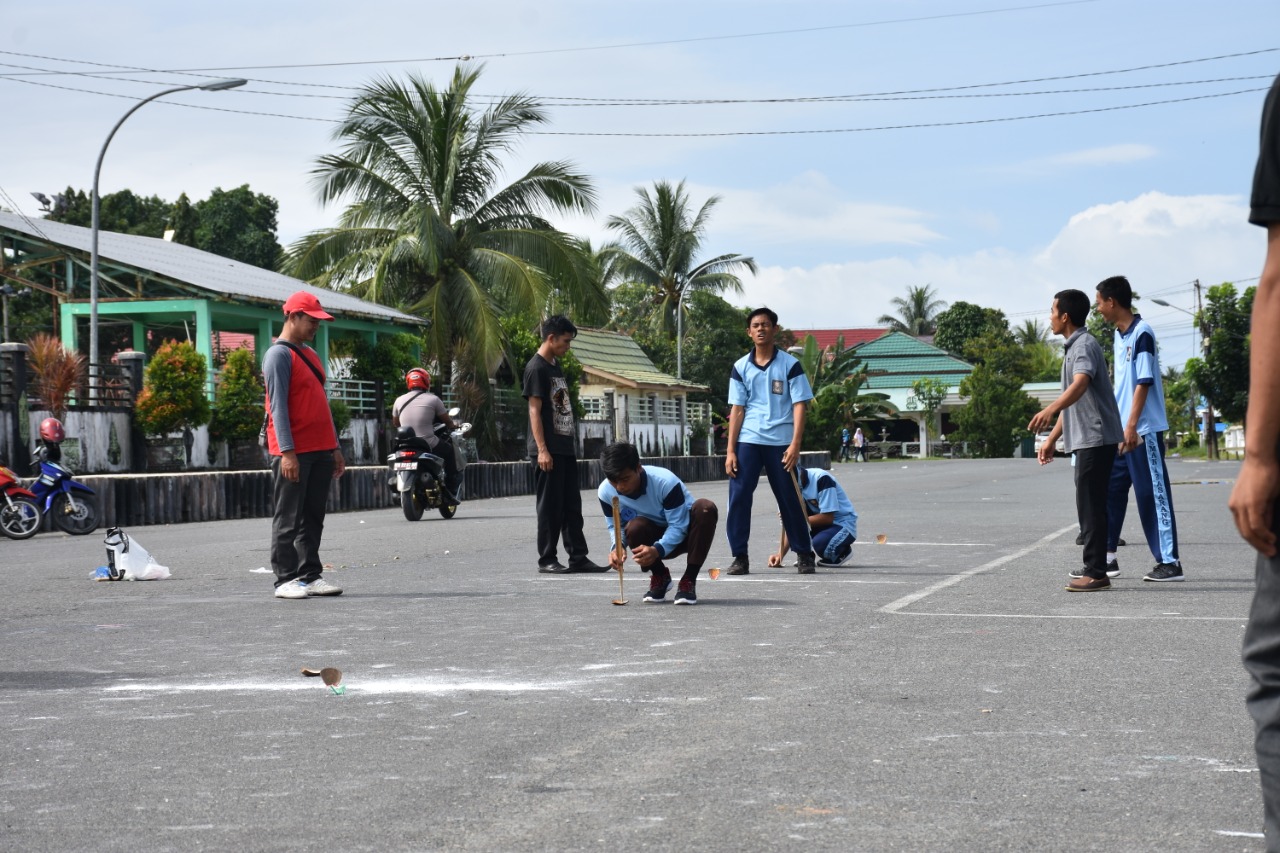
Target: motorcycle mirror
x=454, y=412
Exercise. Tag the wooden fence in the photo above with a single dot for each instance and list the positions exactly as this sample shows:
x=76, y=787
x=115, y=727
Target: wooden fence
x=130, y=500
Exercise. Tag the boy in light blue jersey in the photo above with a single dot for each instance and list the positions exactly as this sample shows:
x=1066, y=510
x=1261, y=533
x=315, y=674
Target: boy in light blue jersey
x=768, y=393
x=1140, y=396
x=833, y=522
x=660, y=519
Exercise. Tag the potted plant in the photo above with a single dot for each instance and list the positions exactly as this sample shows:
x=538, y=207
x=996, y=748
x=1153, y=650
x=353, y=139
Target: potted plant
x=172, y=400
x=699, y=430
x=341, y=421
x=238, y=410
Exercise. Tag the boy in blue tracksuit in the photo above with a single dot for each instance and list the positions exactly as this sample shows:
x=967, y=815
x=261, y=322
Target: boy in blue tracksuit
x=660, y=520
x=768, y=394
x=832, y=519
x=1140, y=396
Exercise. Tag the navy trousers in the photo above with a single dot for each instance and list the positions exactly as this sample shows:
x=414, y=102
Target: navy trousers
x=1144, y=469
x=752, y=459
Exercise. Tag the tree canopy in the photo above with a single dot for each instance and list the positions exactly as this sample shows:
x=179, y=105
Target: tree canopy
x=660, y=239
x=429, y=227
x=917, y=311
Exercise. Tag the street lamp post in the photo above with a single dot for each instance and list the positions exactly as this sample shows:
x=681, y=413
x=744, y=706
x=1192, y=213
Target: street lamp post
x=1198, y=323
x=208, y=86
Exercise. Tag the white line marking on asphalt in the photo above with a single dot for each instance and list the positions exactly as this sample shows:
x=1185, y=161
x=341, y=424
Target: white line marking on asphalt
x=930, y=544
x=1154, y=618
x=1233, y=834
x=414, y=686
x=907, y=600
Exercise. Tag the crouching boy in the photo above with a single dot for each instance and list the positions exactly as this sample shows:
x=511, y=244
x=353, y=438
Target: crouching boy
x=660, y=520
x=833, y=522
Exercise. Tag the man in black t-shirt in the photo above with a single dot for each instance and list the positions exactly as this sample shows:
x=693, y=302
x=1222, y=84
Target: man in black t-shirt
x=553, y=451
x=1254, y=496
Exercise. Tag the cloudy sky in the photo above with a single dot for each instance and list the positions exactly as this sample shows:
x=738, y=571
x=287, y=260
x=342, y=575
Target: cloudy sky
x=998, y=150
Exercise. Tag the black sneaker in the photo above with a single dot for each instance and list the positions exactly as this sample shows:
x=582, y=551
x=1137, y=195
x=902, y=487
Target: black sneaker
x=804, y=565
x=1165, y=573
x=741, y=565
x=659, y=583
x=1080, y=539
x=687, y=593
x=1121, y=543
x=585, y=565
x=553, y=568
x=1113, y=570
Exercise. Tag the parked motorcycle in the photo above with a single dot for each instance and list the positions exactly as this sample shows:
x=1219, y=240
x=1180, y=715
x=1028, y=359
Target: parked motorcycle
x=419, y=474
x=20, y=514
x=72, y=505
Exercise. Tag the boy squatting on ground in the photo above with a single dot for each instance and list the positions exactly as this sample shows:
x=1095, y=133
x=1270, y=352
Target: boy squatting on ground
x=660, y=519
x=833, y=522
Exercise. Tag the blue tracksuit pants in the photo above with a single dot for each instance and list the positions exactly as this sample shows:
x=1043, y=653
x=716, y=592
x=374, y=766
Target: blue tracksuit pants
x=1144, y=469
x=752, y=459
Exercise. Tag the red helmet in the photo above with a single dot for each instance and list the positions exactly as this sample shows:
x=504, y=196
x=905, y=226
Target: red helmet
x=51, y=430
x=418, y=379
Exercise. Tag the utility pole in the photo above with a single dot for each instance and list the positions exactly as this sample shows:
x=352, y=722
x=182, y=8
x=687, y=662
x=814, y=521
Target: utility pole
x=1210, y=419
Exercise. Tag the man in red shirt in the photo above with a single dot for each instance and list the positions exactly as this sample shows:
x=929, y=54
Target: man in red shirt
x=304, y=450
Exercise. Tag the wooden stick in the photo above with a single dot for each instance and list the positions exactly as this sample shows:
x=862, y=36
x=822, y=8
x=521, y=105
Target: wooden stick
x=617, y=545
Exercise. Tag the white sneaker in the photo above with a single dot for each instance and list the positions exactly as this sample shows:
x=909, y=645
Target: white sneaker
x=320, y=586
x=292, y=589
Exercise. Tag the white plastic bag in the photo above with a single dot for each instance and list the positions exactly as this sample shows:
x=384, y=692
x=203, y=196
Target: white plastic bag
x=130, y=559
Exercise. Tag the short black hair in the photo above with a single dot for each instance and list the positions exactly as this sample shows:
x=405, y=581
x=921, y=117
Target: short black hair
x=558, y=325
x=619, y=458
x=773, y=318
x=1117, y=288
x=1075, y=303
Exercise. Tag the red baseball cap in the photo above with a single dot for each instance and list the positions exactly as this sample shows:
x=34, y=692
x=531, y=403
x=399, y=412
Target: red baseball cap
x=307, y=304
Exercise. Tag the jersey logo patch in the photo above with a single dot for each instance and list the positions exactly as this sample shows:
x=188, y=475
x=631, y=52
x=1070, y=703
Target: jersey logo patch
x=777, y=386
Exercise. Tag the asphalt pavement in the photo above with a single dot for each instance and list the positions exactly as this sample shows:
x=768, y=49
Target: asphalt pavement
x=940, y=692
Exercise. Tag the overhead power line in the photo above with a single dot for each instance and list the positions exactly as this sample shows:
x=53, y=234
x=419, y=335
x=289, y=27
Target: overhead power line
x=629, y=45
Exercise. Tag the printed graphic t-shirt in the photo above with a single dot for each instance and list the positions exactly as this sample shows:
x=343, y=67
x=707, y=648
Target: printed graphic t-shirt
x=546, y=380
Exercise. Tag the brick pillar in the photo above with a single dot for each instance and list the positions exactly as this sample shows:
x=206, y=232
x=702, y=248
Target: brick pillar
x=133, y=362
x=11, y=409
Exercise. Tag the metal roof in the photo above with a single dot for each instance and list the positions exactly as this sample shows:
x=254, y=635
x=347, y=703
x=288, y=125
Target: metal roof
x=618, y=358
x=200, y=269
x=896, y=360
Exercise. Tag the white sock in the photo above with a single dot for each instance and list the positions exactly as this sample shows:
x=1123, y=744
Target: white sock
x=1111, y=557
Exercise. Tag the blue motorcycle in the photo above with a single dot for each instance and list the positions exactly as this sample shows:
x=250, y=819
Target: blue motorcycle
x=73, y=506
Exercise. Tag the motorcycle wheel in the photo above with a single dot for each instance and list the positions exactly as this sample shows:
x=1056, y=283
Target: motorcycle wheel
x=409, y=503
x=76, y=518
x=448, y=510
x=21, y=520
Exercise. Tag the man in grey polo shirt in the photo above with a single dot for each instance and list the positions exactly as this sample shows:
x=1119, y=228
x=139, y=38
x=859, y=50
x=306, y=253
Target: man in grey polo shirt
x=1090, y=425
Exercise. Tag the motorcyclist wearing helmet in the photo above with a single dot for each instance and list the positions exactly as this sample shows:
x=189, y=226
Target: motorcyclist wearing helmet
x=422, y=410
x=49, y=447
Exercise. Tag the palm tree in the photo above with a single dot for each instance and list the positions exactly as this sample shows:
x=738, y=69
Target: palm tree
x=429, y=229
x=1030, y=332
x=657, y=247
x=917, y=314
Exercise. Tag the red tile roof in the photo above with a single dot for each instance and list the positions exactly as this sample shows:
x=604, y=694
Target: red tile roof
x=828, y=337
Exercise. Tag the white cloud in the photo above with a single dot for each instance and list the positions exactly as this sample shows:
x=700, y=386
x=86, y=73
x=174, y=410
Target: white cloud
x=1159, y=241
x=1087, y=158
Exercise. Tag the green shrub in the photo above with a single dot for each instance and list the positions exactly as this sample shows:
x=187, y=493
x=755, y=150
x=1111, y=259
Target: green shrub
x=238, y=410
x=341, y=414
x=173, y=397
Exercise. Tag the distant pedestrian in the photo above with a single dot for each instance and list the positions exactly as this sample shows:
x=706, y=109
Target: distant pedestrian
x=553, y=450
x=1089, y=422
x=1140, y=464
x=845, y=445
x=660, y=521
x=303, y=444
x=859, y=445
x=768, y=395
x=833, y=522
x=1253, y=500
